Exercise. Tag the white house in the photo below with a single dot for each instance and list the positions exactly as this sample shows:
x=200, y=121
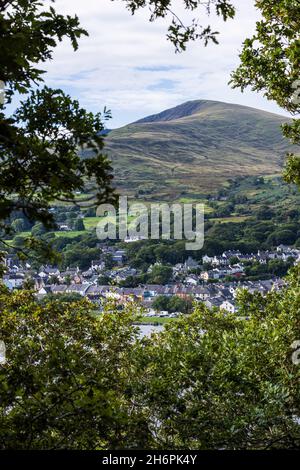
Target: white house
x=191, y=280
x=207, y=259
x=228, y=306
x=13, y=281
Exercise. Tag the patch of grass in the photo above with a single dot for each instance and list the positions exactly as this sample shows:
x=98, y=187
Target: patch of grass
x=91, y=223
x=71, y=234
x=234, y=219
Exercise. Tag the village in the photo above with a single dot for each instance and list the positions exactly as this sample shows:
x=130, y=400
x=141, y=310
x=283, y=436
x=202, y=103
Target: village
x=215, y=287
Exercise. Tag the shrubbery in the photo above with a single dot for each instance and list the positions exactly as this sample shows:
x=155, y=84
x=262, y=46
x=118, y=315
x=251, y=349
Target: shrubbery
x=211, y=380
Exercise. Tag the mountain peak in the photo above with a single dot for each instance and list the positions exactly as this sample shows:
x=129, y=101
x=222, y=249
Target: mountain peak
x=194, y=148
x=197, y=107
x=178, y=112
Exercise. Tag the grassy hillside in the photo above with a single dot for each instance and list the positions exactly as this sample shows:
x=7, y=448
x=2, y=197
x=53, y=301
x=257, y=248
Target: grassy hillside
x=193, y=149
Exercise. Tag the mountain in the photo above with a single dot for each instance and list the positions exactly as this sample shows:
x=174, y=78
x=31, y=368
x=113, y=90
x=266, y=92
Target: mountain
x=194, y=148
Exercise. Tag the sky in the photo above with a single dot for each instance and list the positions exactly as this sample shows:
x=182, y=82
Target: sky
x=127, y=64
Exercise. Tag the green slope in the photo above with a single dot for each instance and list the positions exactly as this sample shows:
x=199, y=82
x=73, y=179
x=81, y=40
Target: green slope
x=195, y=148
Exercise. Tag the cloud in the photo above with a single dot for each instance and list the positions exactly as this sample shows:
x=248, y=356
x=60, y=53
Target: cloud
x=127, y=64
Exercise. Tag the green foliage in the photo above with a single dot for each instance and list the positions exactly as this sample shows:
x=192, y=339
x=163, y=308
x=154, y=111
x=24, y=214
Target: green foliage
x=285, y=237
x=39, y=144
x=65, y=383
x=38, y=229
x=103, y=281
x=216, y=381
x=270, y=63
x=18, y=225
x=160, y=275
x=275, y=267
x=292, y=170
x=172, y=304
x=79, y=225
x=41, y=160
x=81, y=257
x=73, y=380
x=108, y=260
x=264, y=213
x=161, y=303
x=178, y=33
x=177, y=304
x=79, y=381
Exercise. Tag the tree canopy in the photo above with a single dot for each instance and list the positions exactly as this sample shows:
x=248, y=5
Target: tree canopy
x=270, y=63
x=179, y=33
x=40, y=142
x=210, y=380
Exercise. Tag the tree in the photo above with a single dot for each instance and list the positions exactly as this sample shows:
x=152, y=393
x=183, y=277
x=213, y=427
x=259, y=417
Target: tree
x=40, y=142
x=285, y=237
x=18, y=241
x=81, y=257
x=71, y=216
x=79, y=225
x=130, y=281
x=18, y=225
x=213, y=246
x=91, y=212
x=28, y=283
x=279, y=267
x=270, y=64
x=75, y=380
x=108, y=261
x=38, y=230
x=218, y=381
x=61, y=298
x=161, y=274
x=63, y=384
x=53, y=279
x=264, y=213
x=161, y=303
x=177, y=304
x=103, y=280
x=179, y=33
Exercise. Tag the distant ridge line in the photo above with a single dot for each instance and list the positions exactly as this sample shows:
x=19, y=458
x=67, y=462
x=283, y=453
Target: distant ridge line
x=193, y=107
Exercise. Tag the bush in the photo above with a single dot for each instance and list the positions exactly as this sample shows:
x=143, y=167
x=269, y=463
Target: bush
x=73, y=380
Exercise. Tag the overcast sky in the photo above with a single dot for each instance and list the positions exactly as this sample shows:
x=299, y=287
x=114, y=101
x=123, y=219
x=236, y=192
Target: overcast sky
x=128, y=65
